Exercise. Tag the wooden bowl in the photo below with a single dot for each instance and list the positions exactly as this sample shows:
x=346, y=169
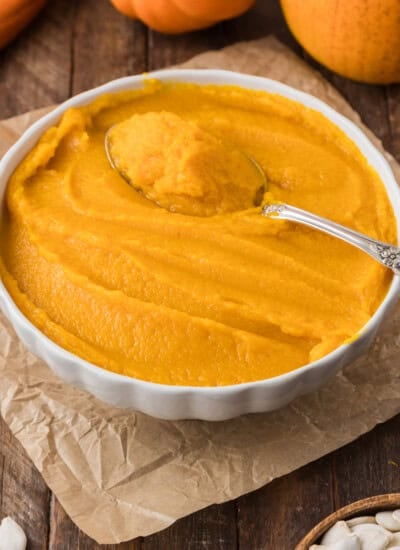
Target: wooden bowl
x=362, y=507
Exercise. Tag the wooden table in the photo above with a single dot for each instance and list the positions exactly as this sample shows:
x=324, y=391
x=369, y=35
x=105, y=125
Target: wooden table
x=78, y=44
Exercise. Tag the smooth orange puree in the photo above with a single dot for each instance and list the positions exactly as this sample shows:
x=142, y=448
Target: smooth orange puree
x=216, y=294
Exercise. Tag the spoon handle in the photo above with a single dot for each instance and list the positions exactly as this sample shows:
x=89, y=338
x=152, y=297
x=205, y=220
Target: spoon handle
x=385, y=253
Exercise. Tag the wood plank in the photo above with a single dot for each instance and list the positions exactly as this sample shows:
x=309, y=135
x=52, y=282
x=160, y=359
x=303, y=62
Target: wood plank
x=165, y=50
x=213, y=528
x=65, y=535
x=264, y=18
x=106, y=45
x=393, y=97
x=369, y=466
x=280, y=514
x=35, y=69
x=23, y=494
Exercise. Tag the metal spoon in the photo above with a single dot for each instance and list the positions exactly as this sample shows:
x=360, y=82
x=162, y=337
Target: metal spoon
x=114, y=164
x=385, y=253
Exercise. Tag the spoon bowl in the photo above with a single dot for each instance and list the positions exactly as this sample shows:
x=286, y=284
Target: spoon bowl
x=258, y=197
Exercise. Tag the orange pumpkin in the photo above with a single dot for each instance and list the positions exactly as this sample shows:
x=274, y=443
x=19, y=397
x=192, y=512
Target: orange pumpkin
x=15, y=15
x=177, y=16
x=359, y=39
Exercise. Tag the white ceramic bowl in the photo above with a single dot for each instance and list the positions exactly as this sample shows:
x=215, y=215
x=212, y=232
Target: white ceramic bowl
x=178, y=402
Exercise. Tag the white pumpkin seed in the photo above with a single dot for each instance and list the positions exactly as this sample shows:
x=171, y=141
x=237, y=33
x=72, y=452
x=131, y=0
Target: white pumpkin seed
x=337, y=532
x=387, y=521
x=350, y=542
x=395, y=541
x=361, y=519
x=372, y=537
x=12, y=536
x=396, y=515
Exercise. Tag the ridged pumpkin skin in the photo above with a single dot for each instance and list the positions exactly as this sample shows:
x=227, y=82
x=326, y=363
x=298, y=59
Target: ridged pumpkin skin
x=359, y=39
x=177, y=16
x=15, y=15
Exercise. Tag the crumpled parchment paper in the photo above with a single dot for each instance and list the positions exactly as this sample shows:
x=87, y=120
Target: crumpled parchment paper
x=121, y=474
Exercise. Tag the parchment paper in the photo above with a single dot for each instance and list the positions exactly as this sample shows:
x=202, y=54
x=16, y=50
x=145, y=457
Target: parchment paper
x=121, y=474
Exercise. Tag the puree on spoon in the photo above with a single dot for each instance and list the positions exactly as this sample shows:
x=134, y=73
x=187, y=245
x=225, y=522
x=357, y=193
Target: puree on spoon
x=181, y=167
x=194, y=299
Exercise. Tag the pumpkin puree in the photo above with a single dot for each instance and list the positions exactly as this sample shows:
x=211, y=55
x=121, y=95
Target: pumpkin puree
x=194, y=299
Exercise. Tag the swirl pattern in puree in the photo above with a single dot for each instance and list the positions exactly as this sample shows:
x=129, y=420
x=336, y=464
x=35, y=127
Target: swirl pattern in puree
x=184, y=299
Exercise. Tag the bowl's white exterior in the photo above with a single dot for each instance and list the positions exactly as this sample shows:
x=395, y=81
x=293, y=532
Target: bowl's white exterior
x=179, y=402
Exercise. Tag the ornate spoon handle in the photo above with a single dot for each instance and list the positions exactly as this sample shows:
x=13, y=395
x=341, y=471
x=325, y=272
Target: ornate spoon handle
x=386, y=254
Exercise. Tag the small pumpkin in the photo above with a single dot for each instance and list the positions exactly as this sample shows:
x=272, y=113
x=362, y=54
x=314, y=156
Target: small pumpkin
x=359, y=39
x=177, y=16
x=15, y=15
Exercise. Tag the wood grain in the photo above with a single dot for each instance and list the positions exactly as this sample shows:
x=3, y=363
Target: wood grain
x=36, y=69
x=23, y=494
x=369, y=466
x=279, y=514
x=266, y=17
x=211, y=529
x=164, y=50
x=393, y=99
x=106, y=45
